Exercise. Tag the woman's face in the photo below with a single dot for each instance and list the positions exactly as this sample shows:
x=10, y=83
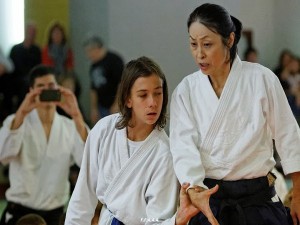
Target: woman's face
x=208, y=50
x=57, y=36
x=145, y=101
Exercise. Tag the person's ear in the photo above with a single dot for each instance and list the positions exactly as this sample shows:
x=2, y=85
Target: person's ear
x=129, y=103
x=231, y=39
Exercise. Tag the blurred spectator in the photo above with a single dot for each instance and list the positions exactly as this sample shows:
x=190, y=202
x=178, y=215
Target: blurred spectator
x=25, y=56
x=57, y=53
x=292, y=75
x=251, y=55
x=71, y=82
x=6, y=67
x=105, y=75
x=284, y=59
x=40, y=145
x=290, y=80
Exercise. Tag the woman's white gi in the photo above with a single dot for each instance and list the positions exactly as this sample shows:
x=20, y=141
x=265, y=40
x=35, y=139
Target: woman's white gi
x=230, y=137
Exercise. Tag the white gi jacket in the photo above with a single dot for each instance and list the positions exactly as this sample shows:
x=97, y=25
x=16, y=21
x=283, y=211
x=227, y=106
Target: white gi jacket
x=39, y=170
x=230, y=137
x=142, y=189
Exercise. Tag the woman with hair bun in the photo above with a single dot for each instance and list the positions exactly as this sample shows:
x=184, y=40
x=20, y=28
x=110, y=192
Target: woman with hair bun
x=223, y=118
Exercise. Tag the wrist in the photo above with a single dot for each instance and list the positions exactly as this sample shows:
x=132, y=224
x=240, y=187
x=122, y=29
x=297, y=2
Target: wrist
x=195, y=188
x=21, y=113
x=77, y=118
x=17, y=121
x=180, y=219
x=76, y=114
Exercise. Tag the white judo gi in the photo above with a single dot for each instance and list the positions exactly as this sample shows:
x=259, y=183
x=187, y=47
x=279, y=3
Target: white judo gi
x=230, y=137
x=39, y=169
x=141, y=189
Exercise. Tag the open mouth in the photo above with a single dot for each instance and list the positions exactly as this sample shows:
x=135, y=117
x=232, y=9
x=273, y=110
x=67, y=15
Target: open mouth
x=152, y=114
x=203, y=65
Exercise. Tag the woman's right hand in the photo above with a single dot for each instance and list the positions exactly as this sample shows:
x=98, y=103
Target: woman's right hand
x=200, y=199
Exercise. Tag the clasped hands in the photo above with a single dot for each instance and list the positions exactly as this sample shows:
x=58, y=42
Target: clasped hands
x=193, y=201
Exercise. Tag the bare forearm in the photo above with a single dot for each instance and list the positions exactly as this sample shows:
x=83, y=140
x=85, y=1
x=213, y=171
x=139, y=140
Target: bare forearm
x=296, y=184
x=80, y=126
x=18, y=120
x=181, y=218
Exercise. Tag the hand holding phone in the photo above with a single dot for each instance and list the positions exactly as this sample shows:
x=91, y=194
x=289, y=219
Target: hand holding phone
x=50, y=95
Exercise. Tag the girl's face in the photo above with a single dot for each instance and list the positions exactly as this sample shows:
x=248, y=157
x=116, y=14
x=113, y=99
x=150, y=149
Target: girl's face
x=145, y=101
x=208, y=50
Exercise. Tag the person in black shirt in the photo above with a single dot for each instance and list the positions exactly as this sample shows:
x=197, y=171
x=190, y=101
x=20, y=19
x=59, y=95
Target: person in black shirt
x=105, y=75
x=24, y=56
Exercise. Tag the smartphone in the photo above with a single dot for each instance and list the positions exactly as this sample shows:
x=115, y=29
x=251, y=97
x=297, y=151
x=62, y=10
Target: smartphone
x=50, y=95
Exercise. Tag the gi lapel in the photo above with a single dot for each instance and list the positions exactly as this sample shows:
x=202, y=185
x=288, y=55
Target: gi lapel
x=226, y=95
x=130, y=164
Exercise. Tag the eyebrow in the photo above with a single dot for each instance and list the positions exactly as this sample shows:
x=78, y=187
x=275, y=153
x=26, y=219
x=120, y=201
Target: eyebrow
x=200, y=37
x=143, y=90
x=192, y=37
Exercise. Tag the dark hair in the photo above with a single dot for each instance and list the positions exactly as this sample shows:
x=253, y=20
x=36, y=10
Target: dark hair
x=283, y=53
x=60, y=27
x=93, y=41
x=217, y=19
x=31, y=219
x=39, y=71
x=141, y=67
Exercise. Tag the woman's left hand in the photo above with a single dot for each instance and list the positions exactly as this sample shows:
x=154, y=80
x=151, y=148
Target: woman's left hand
x=186, y=209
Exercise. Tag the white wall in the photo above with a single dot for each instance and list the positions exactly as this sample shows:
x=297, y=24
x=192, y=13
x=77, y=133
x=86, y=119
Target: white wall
x=158, y=29
x=86, y=18
x=287, y=32
x=259, y=17
x=11, y=24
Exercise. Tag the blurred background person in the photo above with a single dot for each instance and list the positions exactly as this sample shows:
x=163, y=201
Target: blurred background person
x=24, y=56
x=57, y=53
x=6, y=67
x=40, y=146
x=283, y=61
x=70, y=81
x=105, y=75
x=292, y=74
x=251, y=55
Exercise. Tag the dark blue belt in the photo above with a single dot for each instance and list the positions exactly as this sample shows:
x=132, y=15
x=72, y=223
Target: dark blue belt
x=116, y=222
